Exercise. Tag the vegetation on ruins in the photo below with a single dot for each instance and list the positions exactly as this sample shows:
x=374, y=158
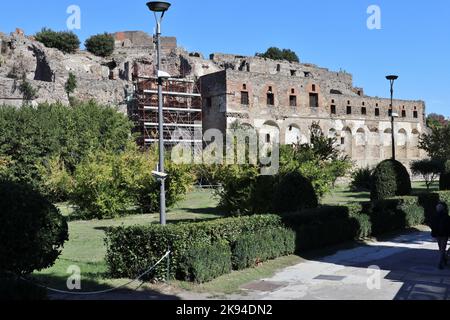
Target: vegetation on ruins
x=27, y=90
x=275, y=53
x=65, y=41
x=101, y=45
x=70, y=85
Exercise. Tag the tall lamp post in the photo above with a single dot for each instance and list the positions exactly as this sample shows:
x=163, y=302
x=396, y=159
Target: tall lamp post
x=392, y=79
x=160, y=8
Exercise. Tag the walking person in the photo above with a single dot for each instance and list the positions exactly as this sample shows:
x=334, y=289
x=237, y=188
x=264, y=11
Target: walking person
x=440, y=230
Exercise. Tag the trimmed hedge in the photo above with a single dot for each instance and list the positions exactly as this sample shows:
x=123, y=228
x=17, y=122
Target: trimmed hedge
x=205, y=262
x=390, y=179
x=328, y=225
x=201, y=251
x=251, y=249
x=132, y=250
x=396, y=214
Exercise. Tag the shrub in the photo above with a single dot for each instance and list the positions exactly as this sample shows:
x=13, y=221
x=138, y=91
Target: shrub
x=390, y=179
x=205, y=262
x=30, y=136
x=101, y=45
x=57, y=182
x=253, y=248
x=294, y=193
x=326, y=226
x=132, y=250
x=65, y=41
x=179, y=181
x=396, y=214
x=444, y=181
x=237, y=188
x=361, y=179
x=32, y=230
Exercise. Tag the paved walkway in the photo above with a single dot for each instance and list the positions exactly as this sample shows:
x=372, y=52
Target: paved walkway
x=407, y=270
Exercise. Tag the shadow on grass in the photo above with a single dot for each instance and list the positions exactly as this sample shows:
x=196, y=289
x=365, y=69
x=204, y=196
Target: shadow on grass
x=90, y=289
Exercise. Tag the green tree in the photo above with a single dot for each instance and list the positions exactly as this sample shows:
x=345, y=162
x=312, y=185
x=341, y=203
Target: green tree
x=275, y=53
x=71, y=85
x=436, y=143
x=429, y=169
x=30, y=136
x=65, y=41
x=101, y=45
x=320, y=161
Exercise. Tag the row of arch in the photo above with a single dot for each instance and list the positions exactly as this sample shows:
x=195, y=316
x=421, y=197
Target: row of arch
x=360, y=143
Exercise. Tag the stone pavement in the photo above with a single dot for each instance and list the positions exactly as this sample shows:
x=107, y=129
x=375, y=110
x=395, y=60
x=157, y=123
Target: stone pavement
x=407, y=270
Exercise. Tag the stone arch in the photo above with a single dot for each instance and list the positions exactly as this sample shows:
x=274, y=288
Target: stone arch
x=413, y=146
x=293, y=134
x=347, y=139
x=401, y=142
x=373, y=144
x=387, y=144
x=270, y=132
x=360, y=144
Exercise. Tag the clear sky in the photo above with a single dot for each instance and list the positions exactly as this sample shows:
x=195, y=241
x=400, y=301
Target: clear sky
x=413, y=42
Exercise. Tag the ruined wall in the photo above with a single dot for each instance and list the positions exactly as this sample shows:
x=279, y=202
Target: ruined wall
x=361, y=124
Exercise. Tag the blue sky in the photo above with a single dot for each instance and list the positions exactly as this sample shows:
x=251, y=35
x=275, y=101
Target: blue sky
x=414, y=41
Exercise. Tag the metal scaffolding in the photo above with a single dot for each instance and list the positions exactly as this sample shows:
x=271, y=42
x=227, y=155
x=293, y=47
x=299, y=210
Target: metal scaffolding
x=182, y=111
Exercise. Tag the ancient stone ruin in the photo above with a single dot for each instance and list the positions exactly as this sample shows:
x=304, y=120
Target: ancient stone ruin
x=279, y=99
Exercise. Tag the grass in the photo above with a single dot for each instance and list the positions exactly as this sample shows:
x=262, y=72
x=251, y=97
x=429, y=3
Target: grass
x=343, y=194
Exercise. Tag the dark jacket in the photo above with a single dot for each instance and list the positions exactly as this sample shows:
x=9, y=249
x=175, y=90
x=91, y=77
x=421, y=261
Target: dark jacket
x=440, y=225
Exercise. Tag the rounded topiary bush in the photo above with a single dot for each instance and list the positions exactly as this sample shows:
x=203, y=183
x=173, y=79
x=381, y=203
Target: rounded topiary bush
x=294, y=193
x=444, y=181
x=390, y=179
x=101, y=45
x=32, y=230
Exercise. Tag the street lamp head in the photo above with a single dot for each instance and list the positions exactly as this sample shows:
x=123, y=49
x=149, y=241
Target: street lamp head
x=392, y=77
x=158, y=6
